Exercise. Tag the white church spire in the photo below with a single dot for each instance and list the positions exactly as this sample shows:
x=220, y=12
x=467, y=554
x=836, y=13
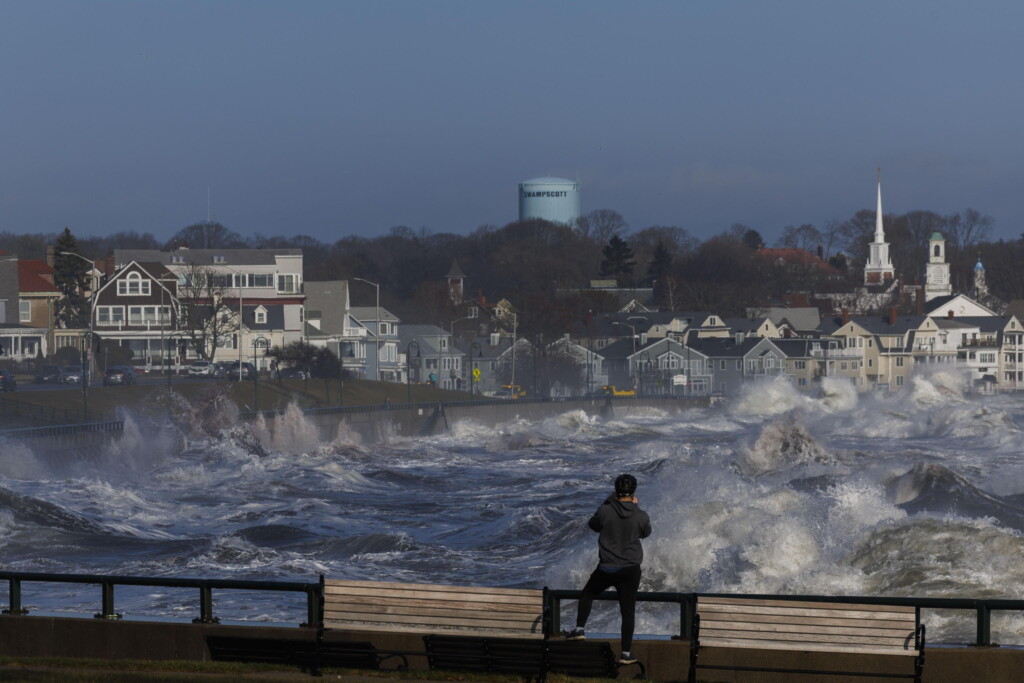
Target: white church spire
x=879, y=233
x=878, y=269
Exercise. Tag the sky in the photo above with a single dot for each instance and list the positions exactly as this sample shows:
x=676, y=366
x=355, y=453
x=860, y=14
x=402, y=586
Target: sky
x=346, y=117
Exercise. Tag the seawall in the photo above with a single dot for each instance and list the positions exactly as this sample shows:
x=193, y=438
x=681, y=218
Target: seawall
x=666, y=660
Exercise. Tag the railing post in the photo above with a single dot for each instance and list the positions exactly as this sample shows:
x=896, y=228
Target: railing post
x=984, y=625
x=107, y=608
x=14, y=593
x=206, y=607
x=685, y=615
x=555, y=607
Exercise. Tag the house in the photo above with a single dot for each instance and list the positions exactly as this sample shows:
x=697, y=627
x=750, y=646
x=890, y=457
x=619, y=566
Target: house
x=431, y=357
x=382, y=358
x=24, y=324
x=330, y=323
x=245, y=300
x=574, y=369
x=732, y=364
x=885, y=342
x=667, y=366
x=138, y=308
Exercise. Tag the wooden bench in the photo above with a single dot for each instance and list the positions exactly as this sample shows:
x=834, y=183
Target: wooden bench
x=806, y=625
x=427, y=608
x=473, y=628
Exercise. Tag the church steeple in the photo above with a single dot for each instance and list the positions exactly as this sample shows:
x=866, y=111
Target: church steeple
x=878, y=269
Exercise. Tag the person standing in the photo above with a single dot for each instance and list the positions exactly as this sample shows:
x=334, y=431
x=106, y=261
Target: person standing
x=621, y=524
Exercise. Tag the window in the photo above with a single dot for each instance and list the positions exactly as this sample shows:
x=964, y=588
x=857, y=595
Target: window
x=739, y=365
x=802, y=381
x=384, y=329
x=899, y=362
x=473, y=312
x=261, y=316
x=871, y=363
x=899, y=380
x=288, y=284
x=801, y=365
x=987, y=357
x=219, y=259
x=25, y=311
x=721, y=365
x=842, y=365
x=110, y=315
x=133, y=285
x=138, y=315
x=444, y=343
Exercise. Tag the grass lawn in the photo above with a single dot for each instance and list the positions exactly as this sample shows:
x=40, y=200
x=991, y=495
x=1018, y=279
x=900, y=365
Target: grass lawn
x=63, y=406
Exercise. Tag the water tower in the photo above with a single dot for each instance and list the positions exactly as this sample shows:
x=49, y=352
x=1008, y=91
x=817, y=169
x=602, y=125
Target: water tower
x=551, y=199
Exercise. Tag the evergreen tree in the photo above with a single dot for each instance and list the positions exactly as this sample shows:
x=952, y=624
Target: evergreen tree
x=71, y=277
x=618, y=260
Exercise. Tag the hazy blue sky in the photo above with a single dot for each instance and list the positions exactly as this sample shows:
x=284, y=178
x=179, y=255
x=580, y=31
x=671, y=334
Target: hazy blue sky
x=344, y=117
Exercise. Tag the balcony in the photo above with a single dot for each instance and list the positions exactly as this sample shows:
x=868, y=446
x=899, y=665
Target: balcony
x=837, y=353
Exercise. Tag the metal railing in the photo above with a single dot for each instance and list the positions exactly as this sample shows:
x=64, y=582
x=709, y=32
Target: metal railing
x=205, y=587
x=983, y=608
x=63, y=430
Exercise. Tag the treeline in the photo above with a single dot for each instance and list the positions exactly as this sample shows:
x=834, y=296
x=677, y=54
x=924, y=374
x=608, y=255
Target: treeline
x=538, y=265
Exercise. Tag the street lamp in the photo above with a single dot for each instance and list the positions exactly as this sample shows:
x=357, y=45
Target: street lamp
x=645, y=360
x=87, y=352
x=408, y=368
x=257, y=343
x=376, y=326
x=474, y=373
x=174, y=338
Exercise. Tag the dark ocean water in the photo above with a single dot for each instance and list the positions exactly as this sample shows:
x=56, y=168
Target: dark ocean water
x=919, y=494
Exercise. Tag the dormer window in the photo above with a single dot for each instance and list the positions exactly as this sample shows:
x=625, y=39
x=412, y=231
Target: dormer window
x=261, y=315
x=219, y=259
x=133, y=285
x=177, y=259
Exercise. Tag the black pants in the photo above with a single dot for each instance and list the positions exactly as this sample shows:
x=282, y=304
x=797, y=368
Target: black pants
x=626, y=582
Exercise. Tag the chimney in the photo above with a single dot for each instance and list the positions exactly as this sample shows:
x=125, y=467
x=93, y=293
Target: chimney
x=51, y=255
x=110, y=265
x=846, y=315
x=949, y=314
x=892, y=315
x=821, y=252
x=920, y=301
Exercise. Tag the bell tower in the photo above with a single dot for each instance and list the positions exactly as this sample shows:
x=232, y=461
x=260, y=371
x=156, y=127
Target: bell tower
x=878, y=269
x=936, y=281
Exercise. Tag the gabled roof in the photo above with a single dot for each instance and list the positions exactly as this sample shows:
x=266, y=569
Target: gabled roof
x=368, y=313
x=35, y=276
x=724, y=347
x=330, y=299
x=205, y=257
x=875, y=324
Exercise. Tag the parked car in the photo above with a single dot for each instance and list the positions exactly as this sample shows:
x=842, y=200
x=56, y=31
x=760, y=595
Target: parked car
x=220, y=369
x=7, y=381
x=291, y=373
x=248, y=371
x=119, y=375
x=72, y=374
x=49, y=374
x=200, y=368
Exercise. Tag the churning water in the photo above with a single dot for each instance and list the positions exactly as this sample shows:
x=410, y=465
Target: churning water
x=917, y=494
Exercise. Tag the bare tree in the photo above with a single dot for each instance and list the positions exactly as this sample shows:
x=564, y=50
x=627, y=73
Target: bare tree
x=601, y=225
x=967, y=230
x=806, y=237
x=205, y=316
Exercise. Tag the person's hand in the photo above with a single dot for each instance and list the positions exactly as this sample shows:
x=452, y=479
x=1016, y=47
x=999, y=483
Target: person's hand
x=635, y=501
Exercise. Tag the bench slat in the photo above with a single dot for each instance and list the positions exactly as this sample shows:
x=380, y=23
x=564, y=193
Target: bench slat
x=765, y=602
x=754, y=620
x=360, y=591
x=839, y=640
x=434, y=629
x=378, y=601
x=436, y=617
x=814, y=647
x=845, y=629
x=795, y=611
x=436, y=611
x=384, y=586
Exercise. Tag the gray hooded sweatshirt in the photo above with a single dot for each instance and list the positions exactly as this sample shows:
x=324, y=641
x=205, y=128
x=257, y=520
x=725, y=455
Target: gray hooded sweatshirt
x=621, y=525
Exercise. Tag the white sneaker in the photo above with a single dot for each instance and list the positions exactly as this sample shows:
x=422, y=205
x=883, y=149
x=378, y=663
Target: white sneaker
x=627, y=658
